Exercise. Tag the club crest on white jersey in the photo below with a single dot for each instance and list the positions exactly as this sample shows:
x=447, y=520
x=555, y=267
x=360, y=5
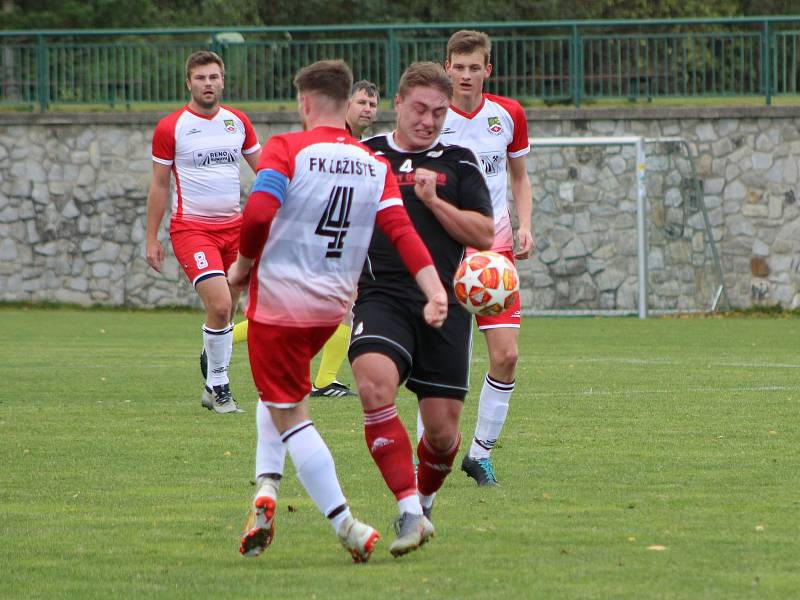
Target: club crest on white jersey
x=204, y=153
x=495, y=131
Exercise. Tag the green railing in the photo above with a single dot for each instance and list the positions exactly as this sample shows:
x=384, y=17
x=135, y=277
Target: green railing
x=571, y=62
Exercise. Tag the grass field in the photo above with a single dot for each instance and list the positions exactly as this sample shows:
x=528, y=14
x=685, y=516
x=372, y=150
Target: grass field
x=642, y=459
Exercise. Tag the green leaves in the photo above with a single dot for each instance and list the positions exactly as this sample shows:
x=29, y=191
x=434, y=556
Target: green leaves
x=102, y=14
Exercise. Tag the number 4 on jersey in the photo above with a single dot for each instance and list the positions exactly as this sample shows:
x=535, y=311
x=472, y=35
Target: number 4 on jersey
x=335, y=220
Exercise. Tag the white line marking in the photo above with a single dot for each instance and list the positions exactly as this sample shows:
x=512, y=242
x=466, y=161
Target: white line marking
x=695, y=390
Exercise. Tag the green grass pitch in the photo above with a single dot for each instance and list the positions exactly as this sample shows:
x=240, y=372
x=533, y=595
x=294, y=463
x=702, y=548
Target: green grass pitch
x=641, y=459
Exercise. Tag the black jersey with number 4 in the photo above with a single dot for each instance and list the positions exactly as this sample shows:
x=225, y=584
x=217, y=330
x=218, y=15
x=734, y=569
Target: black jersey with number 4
x=460, y=181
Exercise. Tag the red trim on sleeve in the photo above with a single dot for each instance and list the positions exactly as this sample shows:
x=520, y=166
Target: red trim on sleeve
x=394, y=222
x=520, y=140
x=257, y=218
x=164, y=136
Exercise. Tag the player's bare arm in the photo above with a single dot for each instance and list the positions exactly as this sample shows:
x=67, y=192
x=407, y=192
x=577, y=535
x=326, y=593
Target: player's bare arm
x=239, y=272
x=252, y=160
x=157, y=200
x=467, y=227
x=523, y=200
x=435, y=311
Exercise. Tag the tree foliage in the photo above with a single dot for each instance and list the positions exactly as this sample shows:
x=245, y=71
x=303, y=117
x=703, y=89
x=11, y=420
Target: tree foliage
x=101, y=14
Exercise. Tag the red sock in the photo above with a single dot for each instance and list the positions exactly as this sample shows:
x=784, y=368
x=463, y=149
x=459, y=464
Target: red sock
x=434, y=467
x=390, y=448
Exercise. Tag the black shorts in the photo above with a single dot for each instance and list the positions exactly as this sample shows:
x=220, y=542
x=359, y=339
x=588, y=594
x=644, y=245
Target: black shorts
x=433, y=362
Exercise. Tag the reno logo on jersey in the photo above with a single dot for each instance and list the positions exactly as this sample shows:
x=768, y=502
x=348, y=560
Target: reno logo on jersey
x=494, y=126
x=216, y=157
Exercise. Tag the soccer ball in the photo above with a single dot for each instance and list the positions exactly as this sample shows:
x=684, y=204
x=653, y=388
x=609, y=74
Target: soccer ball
x=486, y=283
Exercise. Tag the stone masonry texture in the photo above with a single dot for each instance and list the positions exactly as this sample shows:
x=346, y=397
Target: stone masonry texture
x=73, y=193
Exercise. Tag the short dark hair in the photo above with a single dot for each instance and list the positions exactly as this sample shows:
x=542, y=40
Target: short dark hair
x=425, y=74
x=202, y=58
x=467, y=41
x=331, y=78
x=369, y=88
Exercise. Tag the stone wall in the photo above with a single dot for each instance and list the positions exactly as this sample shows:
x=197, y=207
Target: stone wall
x=747, y=161
x=73, y=194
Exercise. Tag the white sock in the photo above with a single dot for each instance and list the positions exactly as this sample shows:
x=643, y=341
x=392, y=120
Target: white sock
x=230, y=349
x=492, y=412
x=340, y=519
x=315, y=468
x=266, y=486
x=427, y=501
x=410, y=504
x=216, y=342
x=420, y=426
x=270, y=450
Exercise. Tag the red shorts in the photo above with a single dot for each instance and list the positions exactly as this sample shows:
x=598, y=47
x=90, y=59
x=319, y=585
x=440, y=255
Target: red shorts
x=280, y=359
x=205, y=249
x=512, y=317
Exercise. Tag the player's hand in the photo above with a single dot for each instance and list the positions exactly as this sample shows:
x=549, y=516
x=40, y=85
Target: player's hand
x=526, y=244
x=435, y=311
x=238, y=275
x=154, y=254
x=425, y=186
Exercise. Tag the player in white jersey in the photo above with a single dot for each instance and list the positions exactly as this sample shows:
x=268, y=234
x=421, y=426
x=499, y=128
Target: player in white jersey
x=362, y=108
x=495, y=128
x=201, y=144
x=307, y=225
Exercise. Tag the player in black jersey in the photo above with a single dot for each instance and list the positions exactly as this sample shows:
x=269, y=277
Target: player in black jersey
x=446, y=196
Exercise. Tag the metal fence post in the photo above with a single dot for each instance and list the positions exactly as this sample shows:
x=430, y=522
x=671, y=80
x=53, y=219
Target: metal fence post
x=393, y=63
x=641, y=224
x=575, y=67
x=42, y=68
x=766, y=63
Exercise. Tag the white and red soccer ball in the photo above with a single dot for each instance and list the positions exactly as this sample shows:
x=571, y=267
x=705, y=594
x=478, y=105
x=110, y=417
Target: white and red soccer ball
x=486, y=283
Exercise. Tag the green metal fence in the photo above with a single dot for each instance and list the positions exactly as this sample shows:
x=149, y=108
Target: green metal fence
x=569, y=62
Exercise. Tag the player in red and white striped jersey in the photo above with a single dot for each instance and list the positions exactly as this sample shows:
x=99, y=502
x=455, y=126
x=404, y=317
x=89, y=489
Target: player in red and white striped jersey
x=496, y=129
x=306, y=228
x=201, y=145
x=362, y=108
